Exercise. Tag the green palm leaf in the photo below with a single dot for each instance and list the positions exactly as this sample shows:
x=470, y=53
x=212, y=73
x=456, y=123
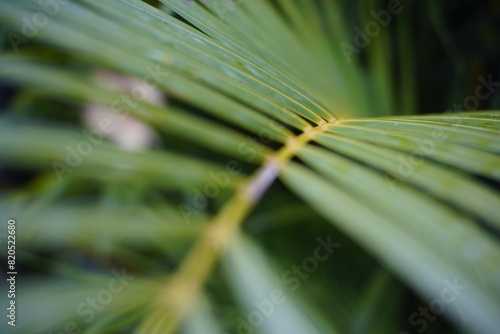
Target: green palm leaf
x=264, y=87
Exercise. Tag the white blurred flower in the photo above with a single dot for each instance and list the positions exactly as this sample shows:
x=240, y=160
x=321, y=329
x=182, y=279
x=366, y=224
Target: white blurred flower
x=128, y=132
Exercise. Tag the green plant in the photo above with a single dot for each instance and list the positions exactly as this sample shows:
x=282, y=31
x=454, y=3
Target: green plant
x=268, y=120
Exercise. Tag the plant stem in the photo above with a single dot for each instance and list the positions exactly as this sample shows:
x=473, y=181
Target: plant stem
x=182, y=288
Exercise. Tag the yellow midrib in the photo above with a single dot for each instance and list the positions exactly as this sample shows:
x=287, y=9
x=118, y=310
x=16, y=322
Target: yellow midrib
x=182, y=287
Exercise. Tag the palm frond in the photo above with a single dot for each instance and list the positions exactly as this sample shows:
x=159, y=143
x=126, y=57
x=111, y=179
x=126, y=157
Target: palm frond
x=263, y=87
